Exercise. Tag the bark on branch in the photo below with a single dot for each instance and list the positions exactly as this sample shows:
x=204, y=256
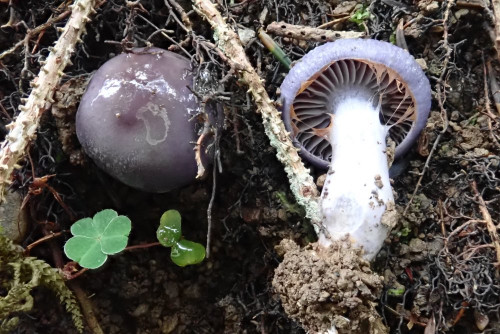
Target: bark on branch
x=23, y=130
x=301, y=182
x=309, y=33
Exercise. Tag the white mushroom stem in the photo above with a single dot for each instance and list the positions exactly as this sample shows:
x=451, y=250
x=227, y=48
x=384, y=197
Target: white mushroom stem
x=357, y=188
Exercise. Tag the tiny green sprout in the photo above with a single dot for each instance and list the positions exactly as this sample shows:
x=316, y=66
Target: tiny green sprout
x=169, y=231
x=405, y=231
x=186, y=252
x=96, y=238
x=360, y=16
x=396, y=292
x=183, y=252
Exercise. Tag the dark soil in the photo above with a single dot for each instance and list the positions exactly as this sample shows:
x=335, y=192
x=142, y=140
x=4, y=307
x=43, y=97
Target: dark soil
x=438, y=265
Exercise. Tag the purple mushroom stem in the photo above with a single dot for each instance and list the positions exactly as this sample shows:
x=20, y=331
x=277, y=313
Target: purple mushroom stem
x=342, y=103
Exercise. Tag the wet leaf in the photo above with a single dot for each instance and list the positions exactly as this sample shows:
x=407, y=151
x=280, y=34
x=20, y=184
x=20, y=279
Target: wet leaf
x=169, y=231
x=187, y=252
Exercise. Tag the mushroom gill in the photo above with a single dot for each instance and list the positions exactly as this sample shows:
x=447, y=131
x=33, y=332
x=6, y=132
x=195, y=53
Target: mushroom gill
x=312, y=110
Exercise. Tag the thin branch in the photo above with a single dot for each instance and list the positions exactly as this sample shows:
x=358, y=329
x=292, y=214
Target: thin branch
x=301, y=182
x=496, y=11
x=35, y=31
x=492, y=230
x=23, y=130
x=308, y=33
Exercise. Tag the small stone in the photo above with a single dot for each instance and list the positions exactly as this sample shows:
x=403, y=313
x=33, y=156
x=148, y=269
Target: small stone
x=481, y=320
x=432, y=7
x=140, y=310
x=422, y=63
x=246, y=35
x=169, y=324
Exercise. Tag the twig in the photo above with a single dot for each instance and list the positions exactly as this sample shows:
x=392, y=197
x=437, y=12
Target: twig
x=406, y=317
x=188, y=26
x=36, y=31
x=441, y=95
x=333, y=22
x=87, y=309
x=491, y=116
x=492, y=230
x=496, y=11
x=152, y=244
x=301, y=182
x=309, y=33
x=495, y=88
x=23, y=129
x=212, y=197
x=42, y=240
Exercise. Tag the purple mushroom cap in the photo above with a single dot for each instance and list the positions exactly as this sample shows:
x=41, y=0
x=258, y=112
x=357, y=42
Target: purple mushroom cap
x=134, y=120
x=378, y=70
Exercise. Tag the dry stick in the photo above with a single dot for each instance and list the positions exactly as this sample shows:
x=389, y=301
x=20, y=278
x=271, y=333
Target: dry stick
x=495, y=88
x=487, y=102
x=441, y=95
x=333, y=22
x=184, y=17
x=301, y=182
x=308, y=33
x=35, y=31
x=492, y=229
x=496, y=11
x=87, y=308
x=23, y=129
x=43, y=239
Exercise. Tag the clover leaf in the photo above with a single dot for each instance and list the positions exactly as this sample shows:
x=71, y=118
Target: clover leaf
x=96, y=238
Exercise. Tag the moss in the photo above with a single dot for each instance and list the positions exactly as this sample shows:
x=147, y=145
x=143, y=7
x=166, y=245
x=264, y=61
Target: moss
x=18, y=276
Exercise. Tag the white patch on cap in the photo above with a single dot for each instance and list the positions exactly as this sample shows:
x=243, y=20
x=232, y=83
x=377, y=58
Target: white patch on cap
x=157, y=112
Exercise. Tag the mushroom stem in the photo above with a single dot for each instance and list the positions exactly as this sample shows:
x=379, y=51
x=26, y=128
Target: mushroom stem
x=357, y=188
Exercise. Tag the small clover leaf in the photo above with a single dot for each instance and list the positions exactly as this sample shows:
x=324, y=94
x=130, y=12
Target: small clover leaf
x=96, y=238
x=169, y=231
x=186, y=252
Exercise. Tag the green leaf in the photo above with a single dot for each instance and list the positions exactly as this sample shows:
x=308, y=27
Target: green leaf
x=85, y=228
x=169, y=231
x=95, y=239
x=86, y=251
x=115, y=236
x=187, y=252
x=396, y=292
x=103, y=218
x=361, y=15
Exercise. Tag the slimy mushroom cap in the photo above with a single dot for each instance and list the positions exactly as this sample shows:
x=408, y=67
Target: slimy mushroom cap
x=134, y=120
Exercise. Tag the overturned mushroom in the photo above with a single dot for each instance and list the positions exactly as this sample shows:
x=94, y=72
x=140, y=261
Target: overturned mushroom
x=134, y=120
x=341, y=103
